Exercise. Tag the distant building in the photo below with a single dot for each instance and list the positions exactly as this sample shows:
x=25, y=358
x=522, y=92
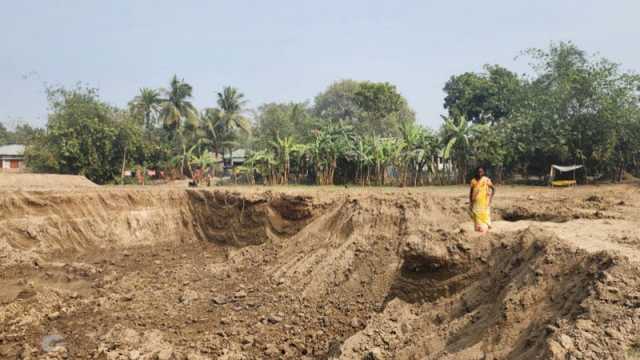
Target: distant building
x=12, y=158
x=229, y=161
x=238, y=157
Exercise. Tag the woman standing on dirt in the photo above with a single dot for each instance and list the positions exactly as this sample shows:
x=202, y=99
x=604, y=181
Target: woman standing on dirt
x=480, y=198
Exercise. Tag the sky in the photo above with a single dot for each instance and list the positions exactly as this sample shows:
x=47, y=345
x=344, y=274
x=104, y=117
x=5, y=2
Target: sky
x=286, y=50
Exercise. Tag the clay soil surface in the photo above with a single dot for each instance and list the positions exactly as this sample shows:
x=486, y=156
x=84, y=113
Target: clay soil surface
x=92, y=272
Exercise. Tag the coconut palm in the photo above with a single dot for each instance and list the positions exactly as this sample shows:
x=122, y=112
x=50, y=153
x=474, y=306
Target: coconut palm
x=147, y=103
x=212, y=129
x=176, y=108
x=231, y=104
x=229, y=116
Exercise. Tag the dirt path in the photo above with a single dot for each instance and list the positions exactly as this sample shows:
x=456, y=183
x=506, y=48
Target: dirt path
x=620, y=236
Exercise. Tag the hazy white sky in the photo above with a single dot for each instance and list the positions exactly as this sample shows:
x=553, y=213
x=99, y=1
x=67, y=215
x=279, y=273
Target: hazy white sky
x=286, y=50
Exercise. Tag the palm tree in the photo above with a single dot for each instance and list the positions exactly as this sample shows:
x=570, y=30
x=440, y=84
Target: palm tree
x=175, y=108
x=231, y=100
x=212, y=129
x=229, y=115
x=148, y=103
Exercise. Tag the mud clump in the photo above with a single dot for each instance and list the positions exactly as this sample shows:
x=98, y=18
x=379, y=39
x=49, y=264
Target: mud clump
x=220, y=274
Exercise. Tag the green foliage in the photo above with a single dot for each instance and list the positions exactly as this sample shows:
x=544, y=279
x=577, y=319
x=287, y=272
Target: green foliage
x=147, y=107
x=489, y=97
x=224, y=126
x=5, y=135
x=459, y=136
x=338, y=102
x=230, y=114
x=23, y=134
x=370, y=108
x=84, y=136
x=284, y=119
x=574, y=109
x=175, y=107
x=578, y=108
x=382, y=109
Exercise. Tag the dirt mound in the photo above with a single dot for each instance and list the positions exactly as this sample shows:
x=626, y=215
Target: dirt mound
x=9, y=181
x=523, y=299
x=224, y=274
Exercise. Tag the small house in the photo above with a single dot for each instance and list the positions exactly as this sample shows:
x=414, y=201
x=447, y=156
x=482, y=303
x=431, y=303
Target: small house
x=12, y=158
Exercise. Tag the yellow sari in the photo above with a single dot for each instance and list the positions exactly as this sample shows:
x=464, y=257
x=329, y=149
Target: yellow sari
x=481, y=196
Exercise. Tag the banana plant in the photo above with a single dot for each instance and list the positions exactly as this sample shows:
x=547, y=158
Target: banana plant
x=458, y=134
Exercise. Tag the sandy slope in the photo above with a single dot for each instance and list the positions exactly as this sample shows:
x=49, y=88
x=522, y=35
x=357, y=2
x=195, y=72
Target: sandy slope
x=13, y=181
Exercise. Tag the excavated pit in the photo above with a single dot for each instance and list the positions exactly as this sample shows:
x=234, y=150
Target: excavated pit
x=219, y=274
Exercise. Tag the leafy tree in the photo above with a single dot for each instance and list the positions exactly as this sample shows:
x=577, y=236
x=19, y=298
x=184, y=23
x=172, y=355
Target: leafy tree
x=5, y=135
x=581, y=102
x=84, y=136
x=284, y=119
x=338, y=102
x=25, y=133
x=40, y=157
x=488, y=97
x=370, y=108
x=382, y=109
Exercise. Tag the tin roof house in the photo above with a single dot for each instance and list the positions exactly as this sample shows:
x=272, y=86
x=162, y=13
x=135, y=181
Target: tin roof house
x=12, y=158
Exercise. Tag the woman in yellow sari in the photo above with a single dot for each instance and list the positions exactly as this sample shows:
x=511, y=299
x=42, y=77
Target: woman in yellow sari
x=480, y=198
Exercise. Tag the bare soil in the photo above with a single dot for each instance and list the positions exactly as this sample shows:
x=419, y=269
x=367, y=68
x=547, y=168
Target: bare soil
x=318, y=273
x=22, y=181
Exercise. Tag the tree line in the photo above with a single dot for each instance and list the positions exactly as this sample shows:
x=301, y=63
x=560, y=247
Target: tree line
x=573, y=108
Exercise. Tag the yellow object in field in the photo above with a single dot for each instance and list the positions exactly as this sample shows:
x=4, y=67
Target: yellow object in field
x=481, y=197
x=563, y=183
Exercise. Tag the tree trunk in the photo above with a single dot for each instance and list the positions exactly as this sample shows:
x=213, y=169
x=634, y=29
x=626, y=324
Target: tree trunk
x=124, y=162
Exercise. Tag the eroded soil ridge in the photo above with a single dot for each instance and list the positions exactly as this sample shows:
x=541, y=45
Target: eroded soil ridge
x=221, y=274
